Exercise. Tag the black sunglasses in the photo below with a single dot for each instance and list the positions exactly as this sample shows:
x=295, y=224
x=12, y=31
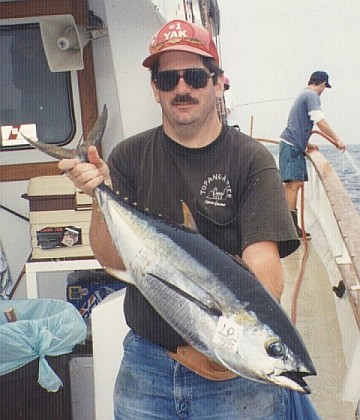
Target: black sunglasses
x=168, y=79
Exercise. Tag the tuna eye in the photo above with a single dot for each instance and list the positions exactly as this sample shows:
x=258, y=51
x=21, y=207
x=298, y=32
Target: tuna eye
x=275, y=349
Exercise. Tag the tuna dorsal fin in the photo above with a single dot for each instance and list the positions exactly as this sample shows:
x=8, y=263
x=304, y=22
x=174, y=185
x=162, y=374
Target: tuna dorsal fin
x=189, y=220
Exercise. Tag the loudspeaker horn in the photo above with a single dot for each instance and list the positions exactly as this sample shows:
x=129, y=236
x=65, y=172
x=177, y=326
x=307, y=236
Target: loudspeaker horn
x=64, y=42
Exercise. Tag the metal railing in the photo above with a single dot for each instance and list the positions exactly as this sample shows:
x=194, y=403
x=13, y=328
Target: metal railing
x=329, y=203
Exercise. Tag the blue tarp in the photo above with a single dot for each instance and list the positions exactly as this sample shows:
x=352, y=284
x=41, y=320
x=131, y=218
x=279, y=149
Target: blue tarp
x=299, y=407
x=44, y=327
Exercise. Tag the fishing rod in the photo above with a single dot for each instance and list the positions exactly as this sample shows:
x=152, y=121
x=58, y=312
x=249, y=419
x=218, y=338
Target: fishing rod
x=14, y=213
x=304, y=259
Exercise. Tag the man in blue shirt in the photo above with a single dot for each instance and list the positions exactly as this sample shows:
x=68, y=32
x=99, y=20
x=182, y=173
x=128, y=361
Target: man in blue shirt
x=305, y=112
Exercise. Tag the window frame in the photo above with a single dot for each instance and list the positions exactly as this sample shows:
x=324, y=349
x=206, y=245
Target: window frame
x=68, y=85
x=85, y=79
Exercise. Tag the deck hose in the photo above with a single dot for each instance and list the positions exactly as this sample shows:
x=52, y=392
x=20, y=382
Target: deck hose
x=303, y=261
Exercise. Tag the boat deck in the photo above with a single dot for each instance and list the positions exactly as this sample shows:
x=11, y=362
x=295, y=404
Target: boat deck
x=317, y=323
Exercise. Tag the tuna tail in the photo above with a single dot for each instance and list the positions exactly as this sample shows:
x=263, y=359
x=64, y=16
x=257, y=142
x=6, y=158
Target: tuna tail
x=97, y=131
x=93, y=139
x=52, y=150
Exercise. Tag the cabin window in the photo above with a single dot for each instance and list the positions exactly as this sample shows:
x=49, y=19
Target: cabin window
x=31, y=94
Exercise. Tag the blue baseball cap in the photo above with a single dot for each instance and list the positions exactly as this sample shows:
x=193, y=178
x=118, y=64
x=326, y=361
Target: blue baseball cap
x=319, y=77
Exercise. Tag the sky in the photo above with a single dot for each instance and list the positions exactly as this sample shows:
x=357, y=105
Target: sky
x=269, y=48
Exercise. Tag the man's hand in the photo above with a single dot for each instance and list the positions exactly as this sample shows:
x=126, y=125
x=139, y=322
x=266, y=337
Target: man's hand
x=311, y=147
x=340, y=145
x=87, y=175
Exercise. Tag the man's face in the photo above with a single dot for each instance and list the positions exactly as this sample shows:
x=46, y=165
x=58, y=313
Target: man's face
x=321, y=88
x=184, y=104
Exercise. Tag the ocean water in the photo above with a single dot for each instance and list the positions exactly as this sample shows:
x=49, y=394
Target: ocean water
x=346, y=165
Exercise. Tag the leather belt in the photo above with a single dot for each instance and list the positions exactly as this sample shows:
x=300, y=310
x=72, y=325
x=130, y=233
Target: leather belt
x=201, y=364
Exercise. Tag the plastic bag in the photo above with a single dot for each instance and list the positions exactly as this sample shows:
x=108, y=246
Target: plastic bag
x=44, y=327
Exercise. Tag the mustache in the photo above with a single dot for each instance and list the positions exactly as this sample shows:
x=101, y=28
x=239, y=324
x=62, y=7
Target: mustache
x=182, y=99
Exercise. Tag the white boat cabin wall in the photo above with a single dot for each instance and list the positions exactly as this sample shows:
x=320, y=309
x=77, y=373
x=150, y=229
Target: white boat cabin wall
x=112, y=75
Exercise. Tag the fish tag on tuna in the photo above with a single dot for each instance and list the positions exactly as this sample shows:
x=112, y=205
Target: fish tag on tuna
x=228, y=334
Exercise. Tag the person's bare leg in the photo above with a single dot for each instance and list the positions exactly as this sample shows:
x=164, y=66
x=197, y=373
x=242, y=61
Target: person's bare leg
x=291, y=192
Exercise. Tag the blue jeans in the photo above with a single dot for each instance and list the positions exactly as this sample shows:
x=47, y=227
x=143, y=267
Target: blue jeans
x=151, y=385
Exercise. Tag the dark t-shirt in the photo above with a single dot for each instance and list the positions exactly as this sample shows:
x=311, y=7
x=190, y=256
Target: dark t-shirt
x=231, y=186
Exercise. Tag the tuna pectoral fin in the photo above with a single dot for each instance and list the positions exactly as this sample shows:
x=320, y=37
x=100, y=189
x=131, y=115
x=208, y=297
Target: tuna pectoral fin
x=120, y=275
x=211, y=310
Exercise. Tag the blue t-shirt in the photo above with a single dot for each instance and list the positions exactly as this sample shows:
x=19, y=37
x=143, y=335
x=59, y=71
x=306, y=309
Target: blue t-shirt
x=299, y=125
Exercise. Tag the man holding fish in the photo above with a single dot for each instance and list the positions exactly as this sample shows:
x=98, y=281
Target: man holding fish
x=232, y=187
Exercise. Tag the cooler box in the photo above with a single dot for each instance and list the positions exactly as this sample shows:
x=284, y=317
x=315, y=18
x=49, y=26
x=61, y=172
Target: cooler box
x=60, y=217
